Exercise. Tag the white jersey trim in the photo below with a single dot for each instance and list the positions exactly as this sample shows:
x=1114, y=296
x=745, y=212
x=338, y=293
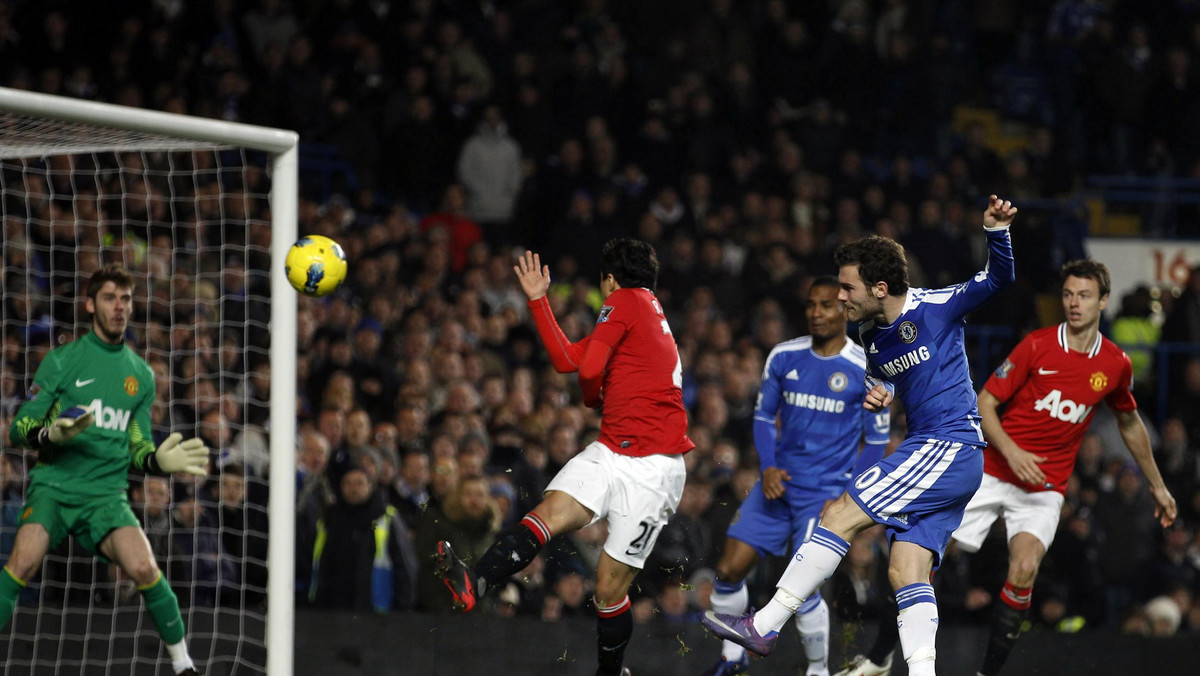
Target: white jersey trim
x=851, y=351
x=793, y=345
x=1062, y=341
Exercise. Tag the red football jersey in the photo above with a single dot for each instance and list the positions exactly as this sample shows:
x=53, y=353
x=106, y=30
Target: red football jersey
x=1052, y=393
x=643, y=394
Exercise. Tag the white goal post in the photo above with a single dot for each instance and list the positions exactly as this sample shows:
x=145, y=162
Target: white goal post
x=146, y=128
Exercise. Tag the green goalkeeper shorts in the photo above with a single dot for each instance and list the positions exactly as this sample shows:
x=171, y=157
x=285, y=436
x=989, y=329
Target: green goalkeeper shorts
x=89, y=521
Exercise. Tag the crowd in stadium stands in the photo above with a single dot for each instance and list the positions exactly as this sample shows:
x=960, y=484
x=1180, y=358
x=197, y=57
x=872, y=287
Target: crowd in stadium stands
x=744, y=140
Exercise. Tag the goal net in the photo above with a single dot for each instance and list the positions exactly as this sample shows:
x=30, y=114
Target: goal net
x=194, y=210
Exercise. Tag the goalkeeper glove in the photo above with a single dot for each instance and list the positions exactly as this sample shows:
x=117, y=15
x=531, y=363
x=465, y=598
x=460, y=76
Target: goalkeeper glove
x=68, y=425
x=190, y=456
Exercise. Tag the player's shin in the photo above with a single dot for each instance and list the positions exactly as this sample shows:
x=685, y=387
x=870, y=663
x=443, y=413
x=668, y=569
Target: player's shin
x=10, y=589
x=812, y=564
x=732, y=599
x=1007, y=619
x=163, y=607
x=812, y=621
x=917, y=624
x=614, y=627
x=514, y=549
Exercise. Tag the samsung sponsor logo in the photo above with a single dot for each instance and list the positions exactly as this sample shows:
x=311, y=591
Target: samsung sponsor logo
x=814, y=402
x=905, y=361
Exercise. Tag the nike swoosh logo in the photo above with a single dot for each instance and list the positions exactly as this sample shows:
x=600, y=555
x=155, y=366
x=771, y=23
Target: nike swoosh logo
x=1044, y=372
x=81, y=383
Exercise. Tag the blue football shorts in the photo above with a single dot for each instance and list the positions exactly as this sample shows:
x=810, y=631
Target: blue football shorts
x=920, y=491
x=778, y=527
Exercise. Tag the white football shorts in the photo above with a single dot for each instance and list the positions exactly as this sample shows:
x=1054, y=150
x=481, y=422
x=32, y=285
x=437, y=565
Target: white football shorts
x=636, y=495
x=1035, y=513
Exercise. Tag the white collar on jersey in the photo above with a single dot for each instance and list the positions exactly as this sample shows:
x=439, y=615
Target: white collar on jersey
x=1062, y=341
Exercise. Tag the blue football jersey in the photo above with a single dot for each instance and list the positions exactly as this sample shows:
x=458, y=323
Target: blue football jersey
x=818, y=403
x=922, y=356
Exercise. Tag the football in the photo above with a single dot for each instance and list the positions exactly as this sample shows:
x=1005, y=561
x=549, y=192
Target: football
x=315, y=265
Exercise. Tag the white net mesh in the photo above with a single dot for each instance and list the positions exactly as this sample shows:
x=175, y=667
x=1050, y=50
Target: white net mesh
x=191, y=221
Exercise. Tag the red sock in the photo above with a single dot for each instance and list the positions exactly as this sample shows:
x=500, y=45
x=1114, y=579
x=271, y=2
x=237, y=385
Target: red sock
x=1017, y=598
x=540, y=530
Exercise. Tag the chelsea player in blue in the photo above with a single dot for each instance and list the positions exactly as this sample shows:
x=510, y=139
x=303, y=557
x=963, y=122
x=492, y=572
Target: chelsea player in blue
x=807, y=427
x=914, y=344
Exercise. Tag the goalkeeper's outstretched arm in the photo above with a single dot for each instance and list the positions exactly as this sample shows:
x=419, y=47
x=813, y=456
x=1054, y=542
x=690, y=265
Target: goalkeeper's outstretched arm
x=37, y=415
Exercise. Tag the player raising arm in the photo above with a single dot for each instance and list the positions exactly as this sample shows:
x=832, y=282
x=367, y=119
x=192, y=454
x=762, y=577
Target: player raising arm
x=89, y=419
x=914, y=344
x=1049, y=386
x=633, y=475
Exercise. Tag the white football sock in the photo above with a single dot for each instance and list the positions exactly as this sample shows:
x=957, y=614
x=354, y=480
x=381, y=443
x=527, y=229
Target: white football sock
x=918, y=623
x=734, y=603
x=812, y=564
x=812, y=621
x=180, y=659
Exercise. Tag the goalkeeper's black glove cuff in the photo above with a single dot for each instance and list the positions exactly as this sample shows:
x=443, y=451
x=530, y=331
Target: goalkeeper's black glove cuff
x=150, y=466
x=38, y=438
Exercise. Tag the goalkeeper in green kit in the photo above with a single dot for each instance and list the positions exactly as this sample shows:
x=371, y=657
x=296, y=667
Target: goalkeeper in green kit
x=89, y=420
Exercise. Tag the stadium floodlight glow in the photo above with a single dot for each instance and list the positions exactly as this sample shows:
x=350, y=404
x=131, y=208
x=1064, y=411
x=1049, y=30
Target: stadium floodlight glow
x=83, y=182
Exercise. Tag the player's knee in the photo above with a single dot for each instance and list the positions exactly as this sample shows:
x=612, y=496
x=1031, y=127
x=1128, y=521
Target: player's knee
x=1022, y=570
x=729, y=575
x=23, y=567
x=845, y=518
x=143, y=572
x=610, y=592
x=902, y=574
x=731, y=571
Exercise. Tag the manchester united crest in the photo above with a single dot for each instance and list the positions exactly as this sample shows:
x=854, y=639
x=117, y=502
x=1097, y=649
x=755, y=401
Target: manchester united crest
x=908, y=332
x=1098, y=381
x=131, y=386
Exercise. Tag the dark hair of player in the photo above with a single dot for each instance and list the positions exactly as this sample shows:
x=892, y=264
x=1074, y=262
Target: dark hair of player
x=631, y=262
x=879, y=259
x=113, y=272
x=1086, y=268
x=825, y=280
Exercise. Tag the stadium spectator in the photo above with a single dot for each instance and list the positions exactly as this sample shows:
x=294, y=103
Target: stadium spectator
x=349, y=569
x=1137, y=332
x=150, y=499
x=201, y=570
x=489, y=168
x=244, y=531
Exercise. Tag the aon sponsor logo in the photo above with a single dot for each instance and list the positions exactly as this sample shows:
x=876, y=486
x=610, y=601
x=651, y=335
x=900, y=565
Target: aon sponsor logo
x=109, y=418
x=1063, y=409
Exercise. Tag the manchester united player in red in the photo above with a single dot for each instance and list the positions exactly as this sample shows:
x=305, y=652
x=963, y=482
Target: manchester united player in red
x=633, y=474
x=1049, y=387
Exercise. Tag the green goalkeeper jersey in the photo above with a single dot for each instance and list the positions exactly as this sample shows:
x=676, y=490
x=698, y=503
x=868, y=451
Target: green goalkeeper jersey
x=118, y=386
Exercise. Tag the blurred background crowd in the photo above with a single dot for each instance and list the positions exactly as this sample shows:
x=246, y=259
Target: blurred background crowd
x=744, y=140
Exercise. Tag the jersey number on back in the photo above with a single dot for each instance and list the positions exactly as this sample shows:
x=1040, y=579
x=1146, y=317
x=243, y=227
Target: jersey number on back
x=666, y=328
